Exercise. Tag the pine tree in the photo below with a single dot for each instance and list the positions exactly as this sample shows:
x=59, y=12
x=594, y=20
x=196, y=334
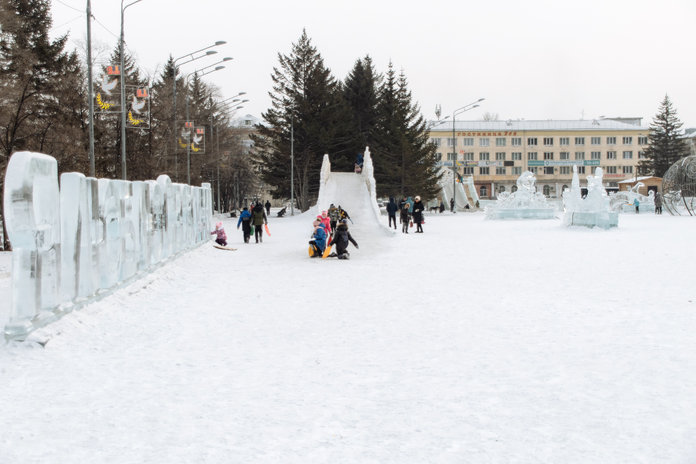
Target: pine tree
x=306, y=104
x=360, y=93
x=404, y=159
x=666, y=143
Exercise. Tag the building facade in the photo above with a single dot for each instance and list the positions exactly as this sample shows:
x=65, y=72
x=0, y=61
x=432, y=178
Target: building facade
x=495, y=153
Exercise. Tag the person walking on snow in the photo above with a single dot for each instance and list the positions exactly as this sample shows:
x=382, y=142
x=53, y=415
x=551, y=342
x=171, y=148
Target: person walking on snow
x=221, y=238
x=258, y=219
x=318, y=241
x=245, y=221
x=404, y=217
x=341, y=238
x=392, y=208
x=268, y=208
x=418, y=208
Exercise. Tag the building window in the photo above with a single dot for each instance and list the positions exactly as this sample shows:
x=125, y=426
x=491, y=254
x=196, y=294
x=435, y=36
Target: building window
x=468, y=171
x=547, y=190
x=628, y=169
x=611, y=155
x=469, y=156
x=627, y=140
x=548, y=169
x=516, y=170
x=468, y=141
x=513, y=189
x=611, y=140
x=579, y=140
x=595, y=155
x=438, y=156
x=437, y=142
x=564, y=169
x=548, y=155
x=484, y=171
x=564, y=141
x=501, y=188
x=627, y=155
x=531, y=141
x=500, y=156
x=500, y=141
x=451, y=157
x=565, y=155
x=642, y=140
x=483, y=191
x=517, y=156
x=532, y=169
x=581, y=169
x=484, y=156
x=451, y=142
x=610, y=169
x=531, y=155
x=548, y=141
x=516, y=141
x=500, y=170
x=579, y=155
x=641, y=155
x=484, y=142
x=596, y=140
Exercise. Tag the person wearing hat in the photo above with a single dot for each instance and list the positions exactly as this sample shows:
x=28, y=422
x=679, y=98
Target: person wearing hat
x=258, y=219
x=405, y=216
x=221, y=236
x=245, y=222
x=341, y=238
x=418, y=209
x=318, y=241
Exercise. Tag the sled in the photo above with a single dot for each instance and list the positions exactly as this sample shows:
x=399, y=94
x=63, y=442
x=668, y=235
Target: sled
x=265, y=226
x=224, y=247
x=327, y=251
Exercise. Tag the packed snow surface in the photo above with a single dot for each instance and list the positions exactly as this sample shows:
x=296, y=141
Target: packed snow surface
x=476, y=342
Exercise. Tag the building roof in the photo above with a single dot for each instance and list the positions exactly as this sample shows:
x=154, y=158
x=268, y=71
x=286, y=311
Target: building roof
x=524, y=125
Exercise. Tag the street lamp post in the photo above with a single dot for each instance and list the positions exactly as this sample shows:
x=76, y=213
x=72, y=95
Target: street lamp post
x=198, y=73
x=191, y=57
x=123, y=96
x=463, y=109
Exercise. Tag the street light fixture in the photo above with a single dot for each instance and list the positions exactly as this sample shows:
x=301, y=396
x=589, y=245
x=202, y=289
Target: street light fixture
x=191, y=57
x=197, y=73
x=123, y=95
x=463, y=109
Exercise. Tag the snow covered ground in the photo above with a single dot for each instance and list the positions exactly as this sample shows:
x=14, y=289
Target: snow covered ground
x=476, y=342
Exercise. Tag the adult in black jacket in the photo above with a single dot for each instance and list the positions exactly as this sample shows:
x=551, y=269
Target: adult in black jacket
x=392, y=208
x=418, y=209
x=341, y=238
x=258, y=219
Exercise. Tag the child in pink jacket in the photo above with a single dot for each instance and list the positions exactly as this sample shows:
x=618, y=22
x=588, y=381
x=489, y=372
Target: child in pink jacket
x=221, y=236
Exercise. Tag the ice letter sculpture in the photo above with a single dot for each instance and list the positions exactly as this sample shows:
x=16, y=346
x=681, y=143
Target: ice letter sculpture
x=594, y=209
x=94, y=235
x=525, y=203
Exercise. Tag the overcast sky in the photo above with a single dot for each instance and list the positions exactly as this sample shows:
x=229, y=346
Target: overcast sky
x=537, y=59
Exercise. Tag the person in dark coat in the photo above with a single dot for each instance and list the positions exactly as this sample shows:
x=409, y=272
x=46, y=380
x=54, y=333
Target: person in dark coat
x=658, y=203
x=418, y=209
x=405, y=217
x=392, y=208
x=268, y=208
x=341, y=238
x=258, y=219
x=245, y=222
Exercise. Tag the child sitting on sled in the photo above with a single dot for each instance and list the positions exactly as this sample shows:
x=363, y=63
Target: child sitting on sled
x=318, y=242
x=221, y=236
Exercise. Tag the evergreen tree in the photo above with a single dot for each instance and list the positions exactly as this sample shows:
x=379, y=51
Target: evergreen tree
x=306, y=103
x=666, y=143
x=360, y=93
x=404, y=159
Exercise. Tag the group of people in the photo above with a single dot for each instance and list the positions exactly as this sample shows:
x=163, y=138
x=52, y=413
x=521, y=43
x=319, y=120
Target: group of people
x=331, y=230
x=409, y=214
x=253, y=220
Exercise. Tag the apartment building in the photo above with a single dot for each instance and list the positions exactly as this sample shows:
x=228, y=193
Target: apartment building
x=495, y=153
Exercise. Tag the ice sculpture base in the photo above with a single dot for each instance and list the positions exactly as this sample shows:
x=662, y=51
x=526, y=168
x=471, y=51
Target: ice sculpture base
x=522, y=213
x=602, y=219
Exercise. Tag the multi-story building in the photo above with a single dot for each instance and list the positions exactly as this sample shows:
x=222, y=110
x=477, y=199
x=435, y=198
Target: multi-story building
x=495, y=153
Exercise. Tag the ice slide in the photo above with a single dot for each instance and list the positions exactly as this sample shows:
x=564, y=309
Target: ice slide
x=356, y=194
x=465, y=191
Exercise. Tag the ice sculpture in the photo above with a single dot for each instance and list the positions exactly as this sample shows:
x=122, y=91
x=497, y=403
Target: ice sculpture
x=94, y=235
x=623, y=201
x=594, y=209
x=525, y=203
x=679, y=187
x=464, y=192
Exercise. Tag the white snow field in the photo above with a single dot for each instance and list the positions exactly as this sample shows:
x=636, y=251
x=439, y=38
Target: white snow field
x=478, y=341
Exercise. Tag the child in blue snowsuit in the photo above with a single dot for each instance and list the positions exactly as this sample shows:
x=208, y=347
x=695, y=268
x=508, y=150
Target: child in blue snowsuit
x=318, y=241
x=245, y=221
